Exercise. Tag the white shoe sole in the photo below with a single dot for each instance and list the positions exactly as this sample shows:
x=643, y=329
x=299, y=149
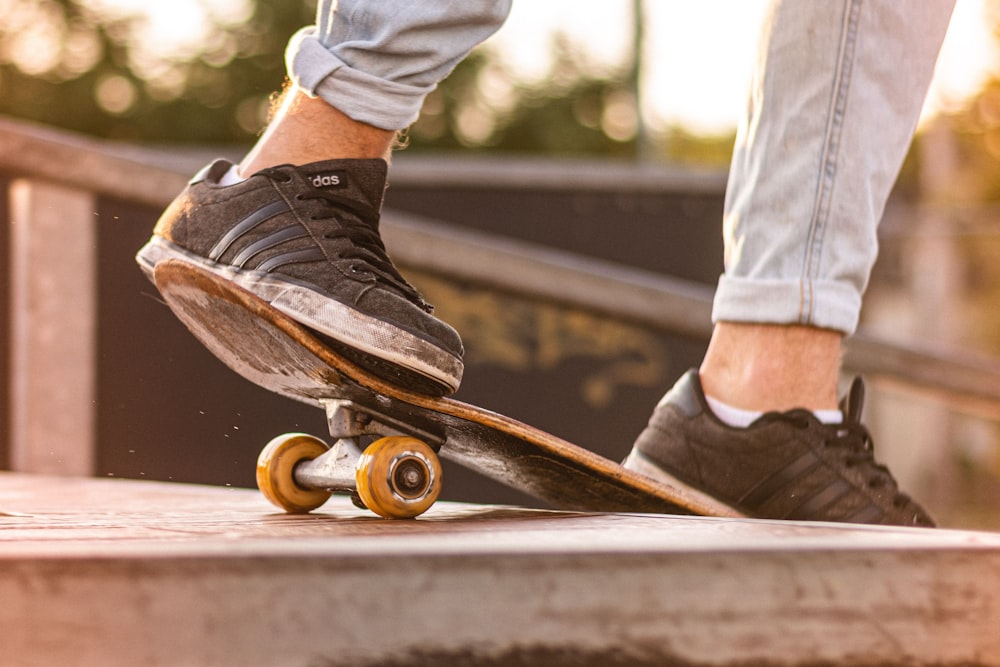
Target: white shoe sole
x=368, y=335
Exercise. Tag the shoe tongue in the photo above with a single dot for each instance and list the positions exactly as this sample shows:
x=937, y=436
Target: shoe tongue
x=362, y=180
x=853, y=403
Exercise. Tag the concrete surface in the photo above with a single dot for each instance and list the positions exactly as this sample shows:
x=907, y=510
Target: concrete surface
x=113, y=572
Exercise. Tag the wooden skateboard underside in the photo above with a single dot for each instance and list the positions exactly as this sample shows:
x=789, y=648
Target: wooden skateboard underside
x=271, y=350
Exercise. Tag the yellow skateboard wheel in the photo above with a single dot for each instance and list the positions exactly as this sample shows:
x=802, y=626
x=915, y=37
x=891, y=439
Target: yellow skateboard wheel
x=276, y=472
x=399, y=477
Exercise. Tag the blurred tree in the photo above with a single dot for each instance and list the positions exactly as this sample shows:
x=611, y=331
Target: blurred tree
x=484, y=106
x=970, y=197
x=90, y=66
x=974, y=194
x=976, y=199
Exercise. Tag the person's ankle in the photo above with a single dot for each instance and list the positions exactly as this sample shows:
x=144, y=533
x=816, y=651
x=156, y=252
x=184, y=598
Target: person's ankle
x=306, y=129
x=772, y=367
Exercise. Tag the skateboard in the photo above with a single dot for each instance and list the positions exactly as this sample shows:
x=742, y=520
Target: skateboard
x=387, y=440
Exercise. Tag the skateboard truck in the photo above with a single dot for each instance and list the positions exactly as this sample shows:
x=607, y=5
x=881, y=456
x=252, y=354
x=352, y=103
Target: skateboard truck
x=398, y=475
x=350, y=419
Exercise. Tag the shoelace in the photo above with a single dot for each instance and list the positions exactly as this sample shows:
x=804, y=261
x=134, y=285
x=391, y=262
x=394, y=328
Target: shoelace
x=360, y=230
x=854, y=438
x=854, y=441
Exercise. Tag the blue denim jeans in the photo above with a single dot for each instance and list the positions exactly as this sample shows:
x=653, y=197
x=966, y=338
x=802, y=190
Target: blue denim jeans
x=376, y=61
x=836, y=92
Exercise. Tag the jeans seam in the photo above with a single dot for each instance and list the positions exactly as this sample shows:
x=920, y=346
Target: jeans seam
x=828, y=160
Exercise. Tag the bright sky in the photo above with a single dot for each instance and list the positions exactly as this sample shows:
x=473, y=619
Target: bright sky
x=696, y=52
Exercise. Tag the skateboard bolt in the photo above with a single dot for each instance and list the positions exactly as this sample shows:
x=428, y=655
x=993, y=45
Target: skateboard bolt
x=410, y=477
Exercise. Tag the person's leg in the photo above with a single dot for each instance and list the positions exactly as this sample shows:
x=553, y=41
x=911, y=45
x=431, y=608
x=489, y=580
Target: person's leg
x=362, y=73
x=765, y=367
x=833, y=106
x=307, y=129
x=836, y=95
x=298, y=225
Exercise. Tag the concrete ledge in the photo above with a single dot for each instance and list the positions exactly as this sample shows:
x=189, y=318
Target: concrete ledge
x=117, y=572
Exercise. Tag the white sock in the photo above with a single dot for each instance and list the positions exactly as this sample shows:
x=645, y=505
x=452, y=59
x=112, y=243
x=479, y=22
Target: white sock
x=232, y=177
x=740, y=418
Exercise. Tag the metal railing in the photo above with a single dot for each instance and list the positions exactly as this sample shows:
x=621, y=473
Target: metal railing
x=57, y=177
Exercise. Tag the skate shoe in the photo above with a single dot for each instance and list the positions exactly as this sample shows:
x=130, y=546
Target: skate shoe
x=306, y=240
x=785, y=465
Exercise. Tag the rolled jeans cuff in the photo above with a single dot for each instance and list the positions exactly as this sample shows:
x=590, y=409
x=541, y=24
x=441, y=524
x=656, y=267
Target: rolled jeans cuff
x=387, y=105
x=824, y=304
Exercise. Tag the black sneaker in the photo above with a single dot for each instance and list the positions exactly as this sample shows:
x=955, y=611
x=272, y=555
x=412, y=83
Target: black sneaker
x=306, y=240
x=785, y=465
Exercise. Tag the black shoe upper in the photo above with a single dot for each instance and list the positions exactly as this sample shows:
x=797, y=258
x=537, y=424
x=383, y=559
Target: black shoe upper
x=315, y=226
x=786, y=465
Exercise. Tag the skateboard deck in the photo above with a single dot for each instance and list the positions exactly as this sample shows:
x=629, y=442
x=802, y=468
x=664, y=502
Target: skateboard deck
x=396, y=475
